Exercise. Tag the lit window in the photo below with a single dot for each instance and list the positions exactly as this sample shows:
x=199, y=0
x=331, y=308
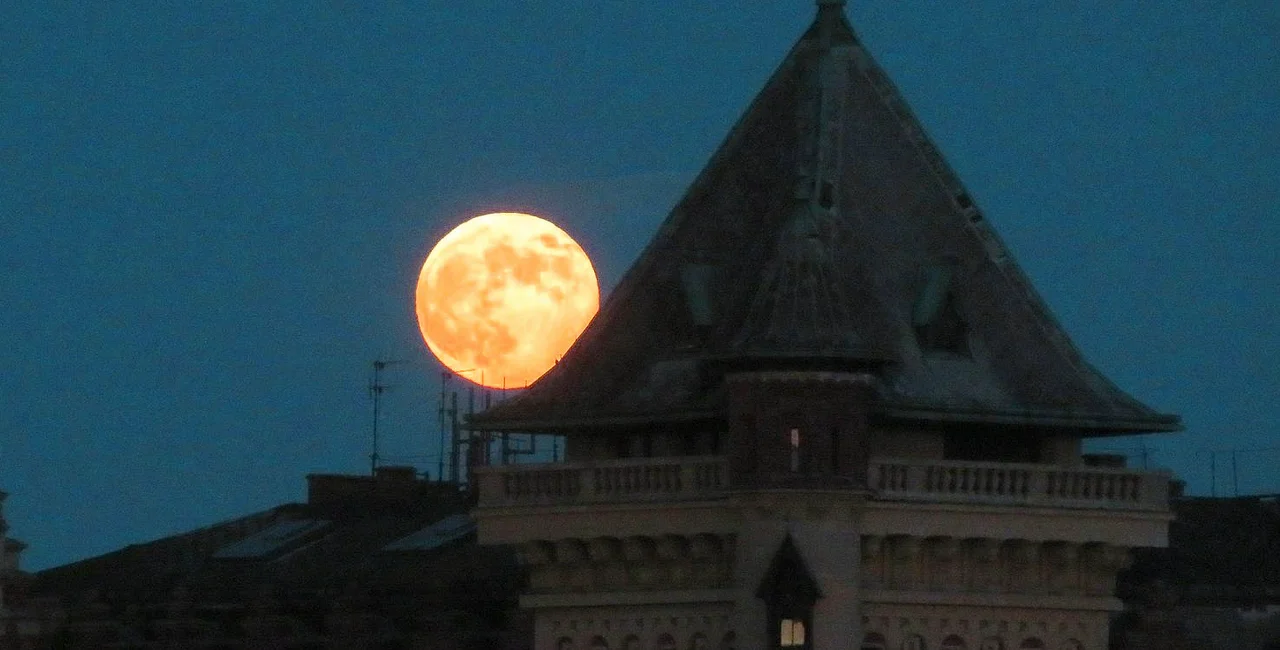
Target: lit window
x=791, y=631
x=795, y=450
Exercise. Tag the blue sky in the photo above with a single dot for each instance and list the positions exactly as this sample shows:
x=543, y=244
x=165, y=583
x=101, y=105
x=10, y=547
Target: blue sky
x=213, y=213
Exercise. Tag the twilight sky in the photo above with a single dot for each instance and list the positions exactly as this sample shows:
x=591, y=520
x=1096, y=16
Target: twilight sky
x=213, y=214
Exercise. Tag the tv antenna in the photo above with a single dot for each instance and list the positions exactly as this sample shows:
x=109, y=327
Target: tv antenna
x=376, y=389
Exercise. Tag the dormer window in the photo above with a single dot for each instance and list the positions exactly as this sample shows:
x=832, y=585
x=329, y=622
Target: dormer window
x=789, y=591
x=936, y=317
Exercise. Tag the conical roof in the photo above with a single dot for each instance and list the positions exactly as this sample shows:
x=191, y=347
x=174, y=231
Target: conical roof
x=827, y=231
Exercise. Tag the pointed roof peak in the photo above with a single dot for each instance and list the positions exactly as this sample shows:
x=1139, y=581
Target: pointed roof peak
x=818, y=234
x=830, y=8
x=830, y=28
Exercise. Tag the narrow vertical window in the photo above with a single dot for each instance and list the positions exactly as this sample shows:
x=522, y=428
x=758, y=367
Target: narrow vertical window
x=835, y=451
x=752, y=444
x=795, y=449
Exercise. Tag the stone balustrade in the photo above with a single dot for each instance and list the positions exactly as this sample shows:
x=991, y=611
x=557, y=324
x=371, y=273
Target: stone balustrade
x=890, y=479
x=1017, y=484
x=613, y=481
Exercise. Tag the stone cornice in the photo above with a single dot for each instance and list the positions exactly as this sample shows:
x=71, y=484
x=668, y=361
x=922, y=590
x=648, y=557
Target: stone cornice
x=1005, y=601
x=629, y=598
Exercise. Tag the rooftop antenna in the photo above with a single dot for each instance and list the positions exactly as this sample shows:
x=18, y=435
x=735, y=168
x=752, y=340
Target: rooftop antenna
x=376, y=389
x=448, y=414
x=445, y=376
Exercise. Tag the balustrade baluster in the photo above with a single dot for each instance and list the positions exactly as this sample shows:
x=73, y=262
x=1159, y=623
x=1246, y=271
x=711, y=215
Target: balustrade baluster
x=910, y=479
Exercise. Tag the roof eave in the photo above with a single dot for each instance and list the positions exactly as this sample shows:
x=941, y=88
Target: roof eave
x=1089, y=424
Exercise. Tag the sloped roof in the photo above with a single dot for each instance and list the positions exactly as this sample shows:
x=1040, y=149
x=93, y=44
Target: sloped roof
x=298, y=575
x=232, y=561
x=827, y=230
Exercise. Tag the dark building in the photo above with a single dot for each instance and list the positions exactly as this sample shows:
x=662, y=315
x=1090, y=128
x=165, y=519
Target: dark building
x=1217, y=585
x=368, y=562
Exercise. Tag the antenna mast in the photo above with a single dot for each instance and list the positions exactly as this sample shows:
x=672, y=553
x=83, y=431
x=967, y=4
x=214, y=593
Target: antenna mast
x=376, y=389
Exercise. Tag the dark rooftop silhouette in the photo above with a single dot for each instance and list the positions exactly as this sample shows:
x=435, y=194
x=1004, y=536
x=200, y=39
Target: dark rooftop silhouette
x=827, y=232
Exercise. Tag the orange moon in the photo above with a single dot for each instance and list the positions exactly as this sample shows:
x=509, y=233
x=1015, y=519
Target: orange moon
x=503, y=296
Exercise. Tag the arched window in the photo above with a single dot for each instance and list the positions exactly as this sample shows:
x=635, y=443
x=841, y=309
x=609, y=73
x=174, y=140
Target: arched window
x=699, y=642
x=666, y=642
x=953, y=642
x=632, y=642
x=1032, y=643
x=914, y=642
x=791, y=633
x=565, y=643
x=874, y=641
x=599, y=643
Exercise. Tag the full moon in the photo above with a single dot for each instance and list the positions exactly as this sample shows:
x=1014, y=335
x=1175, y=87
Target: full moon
x=503, y=296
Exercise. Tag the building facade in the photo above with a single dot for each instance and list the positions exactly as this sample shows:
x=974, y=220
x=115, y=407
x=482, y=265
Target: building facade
x=824, y=409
